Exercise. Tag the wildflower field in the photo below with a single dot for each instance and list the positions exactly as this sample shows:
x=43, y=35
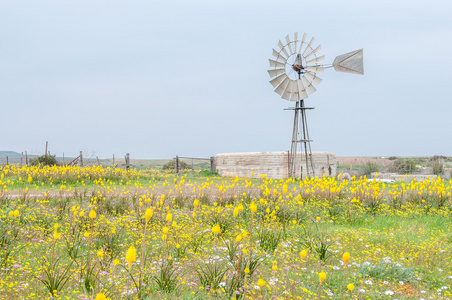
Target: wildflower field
x=99, y=233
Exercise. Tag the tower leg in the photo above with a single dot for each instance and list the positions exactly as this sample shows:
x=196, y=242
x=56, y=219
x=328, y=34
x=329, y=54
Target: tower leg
x=304, y=141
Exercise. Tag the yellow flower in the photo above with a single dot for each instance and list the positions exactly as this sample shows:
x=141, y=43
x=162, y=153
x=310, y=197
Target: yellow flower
x=274, y=267
x=322, y=276
x=116, y=262
x=56, y=235
x=253, y=207
x=165, y=230
x=86, y=234
x=169, y=217
x=351, y=286
x=100, y=253
x=284, y=188
x=303, y=253
x=131, y=255
x=317, y=219
x=92, y=214
x=16, y=213
x=216, y=229
x=260, y=282
x=148, y=214
x=238, y=238
x=82, y=213
x=101, y=296
x=196, y=203
x=164, y=237
x=346, y=257
x=236, y=211
x=247, y=270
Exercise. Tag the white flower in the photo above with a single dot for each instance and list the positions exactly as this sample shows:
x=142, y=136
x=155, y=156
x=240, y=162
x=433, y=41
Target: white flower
x=401, y=283
x=385, y=282
x=369, y=282
x=336, y=268
x=389, y=292
x=362, y=290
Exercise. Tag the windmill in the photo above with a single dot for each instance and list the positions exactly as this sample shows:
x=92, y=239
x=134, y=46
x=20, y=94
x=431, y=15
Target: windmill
x=294, y=75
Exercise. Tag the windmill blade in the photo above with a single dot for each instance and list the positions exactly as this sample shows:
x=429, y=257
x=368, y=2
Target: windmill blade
x=308, y=46
x=288, y=44
x=315, y=69
x=282, y=86
x=294, y=96
x=311, y=89
x=276, y=72
x=277, y=80
x=351, y=62
x=316, y=60
x=292, y=87
x=276, y=64
x=313, y=52
x=312, y=78
x=295, y=35
x=302, y=42
x=301, y=90
x=286, y=95
x=281, y=46
x=279, y=56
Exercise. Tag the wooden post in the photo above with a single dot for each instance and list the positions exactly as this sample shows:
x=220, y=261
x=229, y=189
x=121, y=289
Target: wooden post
x=176, y=167
x=192, y=165
x=45, y=159
x=127, y=161
x=212, y=167
x=7, y=161
x=114, y=165
x=21, y=158
x=63, y=158
x=97, y=158
x=26, y=158
x=81, y=158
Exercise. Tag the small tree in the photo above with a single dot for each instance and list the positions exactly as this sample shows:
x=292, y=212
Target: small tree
x=41, y=160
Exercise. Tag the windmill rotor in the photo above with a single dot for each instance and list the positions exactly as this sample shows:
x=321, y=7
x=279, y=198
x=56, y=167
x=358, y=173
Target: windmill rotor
x=296, y=60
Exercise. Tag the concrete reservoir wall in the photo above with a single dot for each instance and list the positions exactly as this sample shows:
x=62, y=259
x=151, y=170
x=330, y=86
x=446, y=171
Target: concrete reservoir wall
x=273, y=164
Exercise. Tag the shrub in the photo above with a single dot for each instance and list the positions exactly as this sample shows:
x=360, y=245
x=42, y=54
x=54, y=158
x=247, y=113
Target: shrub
x=437, y=167
x=172, y=164
x=41, y=160
x=403, y=165
x=369, y=168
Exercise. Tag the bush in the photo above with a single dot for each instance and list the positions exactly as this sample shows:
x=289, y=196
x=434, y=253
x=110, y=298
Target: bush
x=437, y=167
x=438, y=157
x=172, y=164
x=403, y=165
x=369, y=168
x=41, y=160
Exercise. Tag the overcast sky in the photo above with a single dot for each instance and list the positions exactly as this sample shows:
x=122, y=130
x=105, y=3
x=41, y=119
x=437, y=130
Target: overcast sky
x=189, y=78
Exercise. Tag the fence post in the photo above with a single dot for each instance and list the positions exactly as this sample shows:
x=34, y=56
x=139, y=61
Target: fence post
x=7, y=161
x=114, y=165
x=63, y=158
x=212, y=167
x=127, y=161
x=21, y=158
x=97, y=158
x=81, y=158
x=176, y=167
x=45, y=159
x=26, y=158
